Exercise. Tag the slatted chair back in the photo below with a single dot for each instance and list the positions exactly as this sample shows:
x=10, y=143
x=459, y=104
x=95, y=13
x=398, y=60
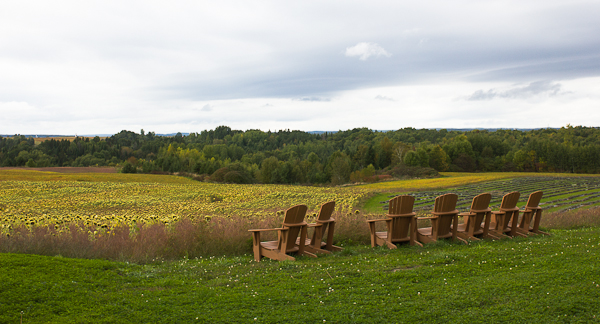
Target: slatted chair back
x=293, y=221
x=534, y=200
x=325, y=220
x=480, y=207
x=509, y=207
x=445, y=210
x=401, y=206
x=532, y=215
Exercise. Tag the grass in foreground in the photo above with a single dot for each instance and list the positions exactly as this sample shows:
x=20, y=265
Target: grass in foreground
x=553, y=279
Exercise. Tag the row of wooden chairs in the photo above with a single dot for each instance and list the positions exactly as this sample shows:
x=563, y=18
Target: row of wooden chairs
x=401, y=221
x=287, y=235
x=479, y=222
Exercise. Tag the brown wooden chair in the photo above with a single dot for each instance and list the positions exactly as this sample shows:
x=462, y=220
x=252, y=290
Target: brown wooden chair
x=401, y=224
x=477, y=221
x=444, y=222
x=505, y=221
x=532, y=214
x=323, y=223
x=293, y=224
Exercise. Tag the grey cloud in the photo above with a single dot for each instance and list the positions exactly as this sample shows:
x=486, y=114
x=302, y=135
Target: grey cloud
x=528, y=91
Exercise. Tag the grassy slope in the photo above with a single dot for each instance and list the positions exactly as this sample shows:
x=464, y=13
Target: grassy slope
x=551, y=279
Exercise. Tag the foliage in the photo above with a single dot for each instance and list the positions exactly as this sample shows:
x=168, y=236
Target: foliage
x=293, y=157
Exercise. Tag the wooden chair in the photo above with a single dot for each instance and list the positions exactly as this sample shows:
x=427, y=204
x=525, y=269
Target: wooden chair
x=401, y=224
x=504, y=222
x=324, y=222
x=477, y=221
x=532, y=214
x=443, y=222
x=293, y=224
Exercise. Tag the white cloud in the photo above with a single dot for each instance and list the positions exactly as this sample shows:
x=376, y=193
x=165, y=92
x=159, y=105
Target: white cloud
x=206, y=107
x=365, y=50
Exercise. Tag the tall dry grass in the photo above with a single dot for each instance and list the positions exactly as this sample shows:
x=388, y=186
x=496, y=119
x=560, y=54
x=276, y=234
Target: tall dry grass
x=150, y=242
x=571, y=219
x=145, y=243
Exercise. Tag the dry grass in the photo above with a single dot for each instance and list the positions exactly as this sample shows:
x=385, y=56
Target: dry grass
x=149, y=242
x=572, y=219
x=220, y=236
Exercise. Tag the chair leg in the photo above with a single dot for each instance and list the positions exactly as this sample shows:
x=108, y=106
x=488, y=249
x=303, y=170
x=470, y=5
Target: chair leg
x=256, y=246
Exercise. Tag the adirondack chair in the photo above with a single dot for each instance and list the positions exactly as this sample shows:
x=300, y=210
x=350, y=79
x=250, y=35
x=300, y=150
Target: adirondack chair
x=504, y=222
x=293, y=224
x=444, y=217
x=477, y=221
x=401, y=224
x=324, y=222
x=532, y=214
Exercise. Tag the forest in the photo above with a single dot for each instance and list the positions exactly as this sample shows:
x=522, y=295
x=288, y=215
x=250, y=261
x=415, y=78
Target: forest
x=297, y=157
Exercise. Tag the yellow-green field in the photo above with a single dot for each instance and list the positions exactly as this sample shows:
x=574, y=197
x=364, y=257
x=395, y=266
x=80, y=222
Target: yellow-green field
x=110, y=199
x=106, y=200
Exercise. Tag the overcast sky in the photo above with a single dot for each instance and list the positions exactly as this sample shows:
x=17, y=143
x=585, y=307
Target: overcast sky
x=98, y=67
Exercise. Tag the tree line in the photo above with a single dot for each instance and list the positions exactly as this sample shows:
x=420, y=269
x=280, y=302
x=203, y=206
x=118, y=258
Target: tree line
x=360, y=154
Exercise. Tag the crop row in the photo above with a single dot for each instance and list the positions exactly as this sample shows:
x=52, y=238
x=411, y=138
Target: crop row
x=560, y=194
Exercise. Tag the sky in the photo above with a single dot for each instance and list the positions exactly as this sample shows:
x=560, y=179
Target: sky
x=99, y=67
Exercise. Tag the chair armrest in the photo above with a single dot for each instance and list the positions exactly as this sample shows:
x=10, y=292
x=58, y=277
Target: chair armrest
x=466, y=214
x=432, y=217
x=314, y=225
x=498, y=212
x=265, y=230
x=331, y=220
x=376, y=220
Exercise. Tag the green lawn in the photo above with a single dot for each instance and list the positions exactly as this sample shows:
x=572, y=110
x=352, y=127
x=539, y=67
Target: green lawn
x=550, y=279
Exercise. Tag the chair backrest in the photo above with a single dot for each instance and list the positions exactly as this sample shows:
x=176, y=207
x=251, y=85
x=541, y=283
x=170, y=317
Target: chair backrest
x=445, y=209
x=509, y=206
x=294, y=216
x=326, y=211
x=401, y=205
x=480, y=207
x=509, y=201
x=324, y=216
x=481, y=202
x=534, y=200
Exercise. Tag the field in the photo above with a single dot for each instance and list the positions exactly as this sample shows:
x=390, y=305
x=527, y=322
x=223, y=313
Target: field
x=38, y=140
x=183, y=254
x=560, y=193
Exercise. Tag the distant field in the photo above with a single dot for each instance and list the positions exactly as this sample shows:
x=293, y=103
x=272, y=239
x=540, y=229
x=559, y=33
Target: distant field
x=560, y=193
x=65, y=169
x=455, y=179
x=38, y=140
